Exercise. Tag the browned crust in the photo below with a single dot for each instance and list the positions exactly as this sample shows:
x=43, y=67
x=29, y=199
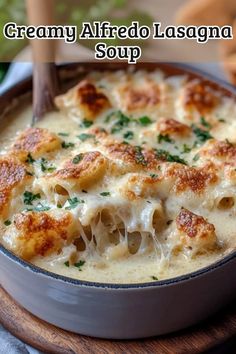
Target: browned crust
x=140, y=97
x=199, y=96
x=40, y=233
x=12, y=173
x=169, y=126
x=221, y=149
x=36, y=141
x=196, y=179
x=193, y=225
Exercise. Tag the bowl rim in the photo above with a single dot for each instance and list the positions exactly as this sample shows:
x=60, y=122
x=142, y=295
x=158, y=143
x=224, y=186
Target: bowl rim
x=186, y=69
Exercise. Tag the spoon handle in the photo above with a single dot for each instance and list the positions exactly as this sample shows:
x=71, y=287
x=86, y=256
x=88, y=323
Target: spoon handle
x=45, y=82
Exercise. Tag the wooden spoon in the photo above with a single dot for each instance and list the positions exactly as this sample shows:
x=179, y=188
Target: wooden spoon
x=45, y=81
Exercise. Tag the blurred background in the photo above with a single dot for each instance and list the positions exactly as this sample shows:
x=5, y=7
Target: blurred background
x=123, y=12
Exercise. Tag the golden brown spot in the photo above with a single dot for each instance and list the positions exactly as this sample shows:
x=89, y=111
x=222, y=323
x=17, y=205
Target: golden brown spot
x=196, y=179
x=193, y=225
x=145, y=96
x=12, y=173
x=91, y=167
x=36, y=141
x=221, y=149
x=91, y=99
x=40, y=233
x=168, y=126
x=198, y=95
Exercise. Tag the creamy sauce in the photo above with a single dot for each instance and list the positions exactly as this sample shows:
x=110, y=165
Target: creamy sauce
x=153, y=263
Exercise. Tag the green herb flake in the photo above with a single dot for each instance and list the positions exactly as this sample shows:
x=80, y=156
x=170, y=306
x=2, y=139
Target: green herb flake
x=154, y=277
x=164, y=138
x=105, y=194
x=66, y=145
x=86, y=123
x=77, y=159
x=44, y=166
x=186, y=149
x=139, y=157
x=153, y=175
x=121, y=122
x=205, y=123
x=144, y=121
x=221, y=120
x=7, y=223
x=63, y=134
x=74, y=202
x=29, y=173
x=30, y=197
x=67, y=264
x=84, y=136
x=79, y=265
x=165, y=155
x=41, y=207
x=129, y=135
x=29, y=159
x=201, y=134
x=196, y=157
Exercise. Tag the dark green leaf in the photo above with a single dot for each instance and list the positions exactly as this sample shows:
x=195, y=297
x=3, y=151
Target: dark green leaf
x=77, y=159
x=165, y=155
x=84, y=136
x=74, y=202
x=105, y=194
x=66, y=145
x=30, y=197
x=145, y=120
x=165, y=138
x=86, y=123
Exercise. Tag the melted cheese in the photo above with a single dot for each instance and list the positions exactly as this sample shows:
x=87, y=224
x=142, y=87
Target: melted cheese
x=133, y=179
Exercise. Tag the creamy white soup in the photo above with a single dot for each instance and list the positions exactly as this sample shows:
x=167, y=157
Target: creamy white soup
x=131, y=180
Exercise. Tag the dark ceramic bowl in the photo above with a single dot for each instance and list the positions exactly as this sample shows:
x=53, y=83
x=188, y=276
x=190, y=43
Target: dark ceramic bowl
x=114, y=310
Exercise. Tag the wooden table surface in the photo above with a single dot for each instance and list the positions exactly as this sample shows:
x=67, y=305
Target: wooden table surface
x=51, y=339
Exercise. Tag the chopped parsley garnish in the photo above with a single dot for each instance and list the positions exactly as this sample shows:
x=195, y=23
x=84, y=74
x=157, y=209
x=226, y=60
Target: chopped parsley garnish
x=63, y=134
x=41, y=207
x=128, y=135
x=59, y=206
x=38, y=208
x=74, y=202
x=86, y=123
x=139, y=157
x=30, y=197
x=154, y=277
x=45, y=167
x=186, y=149
x=205, y=123
x=196, y=157
x=144, y=121
x=29, y=159
x=29, y=173
x=105, y=194
x=77, y=159
x=66, y=145
x=121, y=122
x=153, y=175
x=79, y=265
x=202, y=135
x=221, y=120
x=7, y=223
x=165, y=155
x=84, y=136
x=165, y=138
